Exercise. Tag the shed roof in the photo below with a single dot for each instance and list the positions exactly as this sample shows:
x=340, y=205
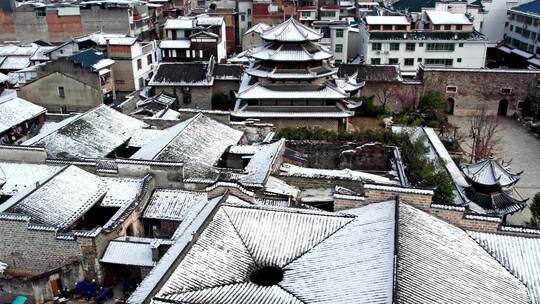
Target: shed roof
x=121, y=190
x=93, y=134
x=123, y=252
x=387, y=20
x=228, y=71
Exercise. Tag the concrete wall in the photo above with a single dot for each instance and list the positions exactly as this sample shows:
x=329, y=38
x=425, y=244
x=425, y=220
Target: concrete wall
x=78, y=96
x=107, y=20
x=123, y=75
x=29, y=27
x=331, y=124
x=201, y=97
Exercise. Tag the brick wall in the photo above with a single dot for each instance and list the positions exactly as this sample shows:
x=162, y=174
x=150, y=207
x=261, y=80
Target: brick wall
x=331, y=124
x=63, y=28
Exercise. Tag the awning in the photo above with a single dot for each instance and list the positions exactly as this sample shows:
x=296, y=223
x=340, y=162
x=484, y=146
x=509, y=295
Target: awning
x=522, y=53
x=505, y=49
x=104, y=71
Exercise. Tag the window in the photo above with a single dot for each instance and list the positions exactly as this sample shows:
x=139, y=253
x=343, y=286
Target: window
x=459, y=60
x=401, y=27
x=533, y=36
x=440, y=47
x=376, y=46
x=410, y=46
x=461, y=45
x=538, y=50
x=61, y=92
x=387, y=27
x=419, y=59
x=328, y=13
x=40, y=13
x=339, y=48
x=141, y=83
x=506, y=90
x=339, y=33
x=393, y=61
x=421, y=44
x=451, y=89
x=186, y=95
x=409, y=61
x=518, y=30
x=242, y=18
x=306, y=14
x=149, y=59
x=394, y=46
x=436, y=27
x=447, y=27
x=139, y=64
x=375, y=60
x=511, y=27
x=439, y=61
x=249, y=12
x=459, y=27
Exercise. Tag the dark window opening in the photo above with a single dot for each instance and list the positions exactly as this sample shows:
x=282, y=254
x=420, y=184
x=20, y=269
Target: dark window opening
x=96, y=216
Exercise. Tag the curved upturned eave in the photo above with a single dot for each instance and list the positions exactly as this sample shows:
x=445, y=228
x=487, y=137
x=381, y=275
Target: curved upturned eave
x=291, y=75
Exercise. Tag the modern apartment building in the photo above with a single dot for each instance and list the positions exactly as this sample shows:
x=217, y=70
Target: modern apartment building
x=445, y=40
x=522, y=33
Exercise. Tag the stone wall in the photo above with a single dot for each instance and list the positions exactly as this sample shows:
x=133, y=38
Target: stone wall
x=111, y=20
x=201, y=97
x=312, y=183
x=477, y=88
x=331, y=124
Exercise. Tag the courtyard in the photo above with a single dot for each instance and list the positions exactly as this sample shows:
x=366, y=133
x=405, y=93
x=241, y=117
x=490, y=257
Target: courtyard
x=517, y=144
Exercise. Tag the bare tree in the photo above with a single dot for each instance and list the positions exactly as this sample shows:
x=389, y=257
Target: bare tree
x=384, y=94
x=483, y=129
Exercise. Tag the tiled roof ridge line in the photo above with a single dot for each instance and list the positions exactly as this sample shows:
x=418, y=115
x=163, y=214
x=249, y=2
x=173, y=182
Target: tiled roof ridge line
x=300, y=212
x=292, y=294
x=315, y=245
x=240, y=237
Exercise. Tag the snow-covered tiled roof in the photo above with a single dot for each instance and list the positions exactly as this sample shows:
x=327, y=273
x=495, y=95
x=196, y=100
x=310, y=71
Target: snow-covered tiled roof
x=61, y=200
x=15, y=50
x=387, y=20
x=175, y=44
x=440, y=263
x=93, y=134
x=345, y=174
x=14, y=111
x=40, y=54
x=283, y=52
x=99, y=38
x=173, y=204
x=15, y=63
x=258, y=91
x=3, y=77
x=258, y=28
x=182, y=74
x=16, y=177
x=205, y=20
x=197, y=142
x=291, y=31
x=490, y=172
x=445, y=17
x=128, y=253
x=519, y=254
x=325, y=257
x=121, y=191
x=142, y=136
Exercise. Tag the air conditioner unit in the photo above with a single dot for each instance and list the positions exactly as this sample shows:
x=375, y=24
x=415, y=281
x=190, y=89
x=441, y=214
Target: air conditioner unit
x=378, y=52
x=387, y=52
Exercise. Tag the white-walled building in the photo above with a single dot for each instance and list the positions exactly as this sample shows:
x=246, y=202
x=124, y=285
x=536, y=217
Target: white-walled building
x=496, y=12
x=337, y=37
x=134, y=62
x=194, y=39
x=522, y=32
x=245, y=16
x=446, y=40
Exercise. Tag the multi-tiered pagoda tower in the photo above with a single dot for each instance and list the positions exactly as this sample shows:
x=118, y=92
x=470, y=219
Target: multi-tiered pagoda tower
x=291, y=77
x=492, y=187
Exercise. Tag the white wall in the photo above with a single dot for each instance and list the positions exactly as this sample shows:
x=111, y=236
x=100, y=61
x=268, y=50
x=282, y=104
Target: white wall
x=532, y=41
x=243, y=7
x=496, y=17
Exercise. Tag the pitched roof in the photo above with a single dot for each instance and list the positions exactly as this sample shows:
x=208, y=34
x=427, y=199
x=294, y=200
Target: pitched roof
x=180, y=23
x=259, y=91
x=14, y=111
x=93, y=134
x=172, y=205
x=276, y=51
x=518, y=254
x=291, y=31
x=91, y=58
x=490, y=172
x=258, y=28
x=228, y=71
x=16, y=177
x=125, y=252
x=197, y=142
x=182, y=74
x=530, y=8
x=440, y=263
x=325, y=257
x=121, y=191
x=62, y=200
